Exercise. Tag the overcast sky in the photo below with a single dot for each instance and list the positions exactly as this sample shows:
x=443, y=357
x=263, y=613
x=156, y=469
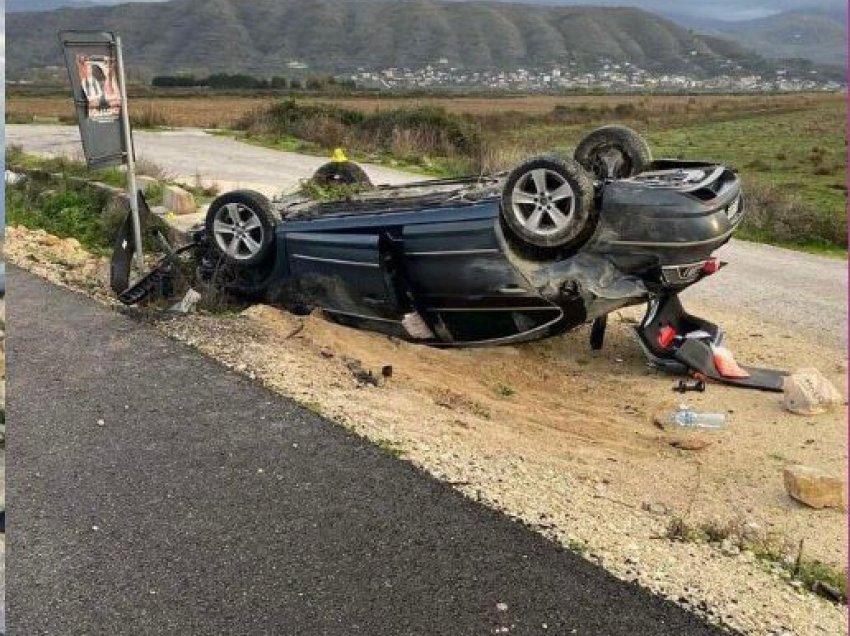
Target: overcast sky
x=711, y=9
x=725, y=9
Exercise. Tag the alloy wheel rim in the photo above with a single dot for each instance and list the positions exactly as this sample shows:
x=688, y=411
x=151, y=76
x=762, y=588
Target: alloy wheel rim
x=543, y=202
x=238, y=231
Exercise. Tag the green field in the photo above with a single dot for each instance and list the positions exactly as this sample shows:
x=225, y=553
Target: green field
x=790, y=149
x=793, y=164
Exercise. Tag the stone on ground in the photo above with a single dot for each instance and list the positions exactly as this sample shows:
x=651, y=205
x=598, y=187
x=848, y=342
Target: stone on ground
x=814, y=487
x=808, y=392
x=145, y=183
x=178, y=200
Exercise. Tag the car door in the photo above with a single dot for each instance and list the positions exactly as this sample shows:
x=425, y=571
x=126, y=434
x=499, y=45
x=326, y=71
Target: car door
x=465, y=286
x=348, y=274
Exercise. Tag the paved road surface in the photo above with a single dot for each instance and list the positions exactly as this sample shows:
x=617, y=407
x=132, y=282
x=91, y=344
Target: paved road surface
x=188, y=153
x=801, y=292
x=212, y=506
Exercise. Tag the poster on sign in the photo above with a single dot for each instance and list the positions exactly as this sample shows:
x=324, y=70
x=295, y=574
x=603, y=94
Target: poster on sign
x=93, y=69
x=97, y=75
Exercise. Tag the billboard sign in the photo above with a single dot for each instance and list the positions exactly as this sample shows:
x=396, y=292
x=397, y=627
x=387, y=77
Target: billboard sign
x=92, y=61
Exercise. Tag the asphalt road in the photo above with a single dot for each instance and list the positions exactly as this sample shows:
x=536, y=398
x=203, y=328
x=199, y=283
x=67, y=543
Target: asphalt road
x=189, y=153
x=156, y=492
x=804, y=293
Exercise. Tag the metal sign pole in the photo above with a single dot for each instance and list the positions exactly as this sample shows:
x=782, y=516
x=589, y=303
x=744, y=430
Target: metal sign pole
x=132, y=191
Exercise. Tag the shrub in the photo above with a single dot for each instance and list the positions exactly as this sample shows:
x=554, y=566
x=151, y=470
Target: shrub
x=776, y=216
x=410, y=133
x=148, y=116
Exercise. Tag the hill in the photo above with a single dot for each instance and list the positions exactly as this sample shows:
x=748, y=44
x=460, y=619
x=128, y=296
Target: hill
x=262, y=36
x=817, y=36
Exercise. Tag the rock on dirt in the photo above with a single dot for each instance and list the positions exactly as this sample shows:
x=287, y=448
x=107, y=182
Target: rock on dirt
x=808, y=392
x=691, y=442
x=145, y=183
x=178, y=200
x=814, y=487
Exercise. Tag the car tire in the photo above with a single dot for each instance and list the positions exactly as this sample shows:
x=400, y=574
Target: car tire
x=341, y=173
x=548, y=202
x=240, y=227
x=613, y=152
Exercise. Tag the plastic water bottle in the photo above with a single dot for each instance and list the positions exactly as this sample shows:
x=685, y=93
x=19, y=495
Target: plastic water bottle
x=686, y=417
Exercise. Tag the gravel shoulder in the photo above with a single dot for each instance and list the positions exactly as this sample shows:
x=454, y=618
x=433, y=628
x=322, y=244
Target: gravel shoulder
x=570, y=449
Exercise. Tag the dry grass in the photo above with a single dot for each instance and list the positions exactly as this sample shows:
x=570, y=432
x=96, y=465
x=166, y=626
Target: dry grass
x=202, y=112
x=214, y=111
x=774, y=216
x=408, y=134
x=615, y=104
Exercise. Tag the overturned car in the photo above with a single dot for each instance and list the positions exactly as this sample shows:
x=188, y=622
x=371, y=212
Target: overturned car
x=486, y=260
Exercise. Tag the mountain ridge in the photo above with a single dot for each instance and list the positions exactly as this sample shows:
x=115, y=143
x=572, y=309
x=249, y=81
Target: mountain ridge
x=262, y=37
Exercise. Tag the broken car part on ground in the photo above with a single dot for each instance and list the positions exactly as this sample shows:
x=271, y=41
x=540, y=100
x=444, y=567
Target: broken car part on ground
x=497, y=259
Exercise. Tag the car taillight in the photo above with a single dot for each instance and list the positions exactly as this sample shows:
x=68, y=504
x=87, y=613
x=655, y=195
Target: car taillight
x=666, y=336
x=711, y=266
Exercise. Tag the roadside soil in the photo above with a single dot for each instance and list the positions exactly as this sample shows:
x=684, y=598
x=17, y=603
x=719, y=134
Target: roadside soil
x=560, y=437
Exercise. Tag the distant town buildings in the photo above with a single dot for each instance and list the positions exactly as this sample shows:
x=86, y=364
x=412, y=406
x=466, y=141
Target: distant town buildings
x=605, y=75
x=610, y=76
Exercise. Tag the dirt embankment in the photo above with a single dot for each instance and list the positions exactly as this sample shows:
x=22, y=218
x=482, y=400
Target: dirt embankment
x=562, y=438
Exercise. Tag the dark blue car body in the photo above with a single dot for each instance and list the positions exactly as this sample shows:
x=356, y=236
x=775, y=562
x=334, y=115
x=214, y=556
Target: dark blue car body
x=452, y=264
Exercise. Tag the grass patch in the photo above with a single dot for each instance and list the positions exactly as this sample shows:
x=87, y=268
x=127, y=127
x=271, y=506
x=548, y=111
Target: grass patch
x=331, y=192
x=149, y=117
x=785, y=218
x=505, y=391
x=55, y=196
x=16, y=158
x=814, y=575
x=390, y=448
x=66, y=212
x=578, y=546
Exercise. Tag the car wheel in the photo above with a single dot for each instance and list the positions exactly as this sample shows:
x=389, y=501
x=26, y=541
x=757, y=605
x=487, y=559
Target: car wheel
x=341, y=173
x=547, y=202
x=240, y=227
x=613, y=152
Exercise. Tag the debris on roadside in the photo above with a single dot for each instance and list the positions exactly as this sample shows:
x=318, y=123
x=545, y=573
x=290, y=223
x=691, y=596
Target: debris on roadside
x=683, y=386
x=814, y=487
x=362, y=375
x=828, y=591
x=808, y=392
x=11, y=177
x=686, y=419
x=655, y=508
x=691, y=442
x=187, y=303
